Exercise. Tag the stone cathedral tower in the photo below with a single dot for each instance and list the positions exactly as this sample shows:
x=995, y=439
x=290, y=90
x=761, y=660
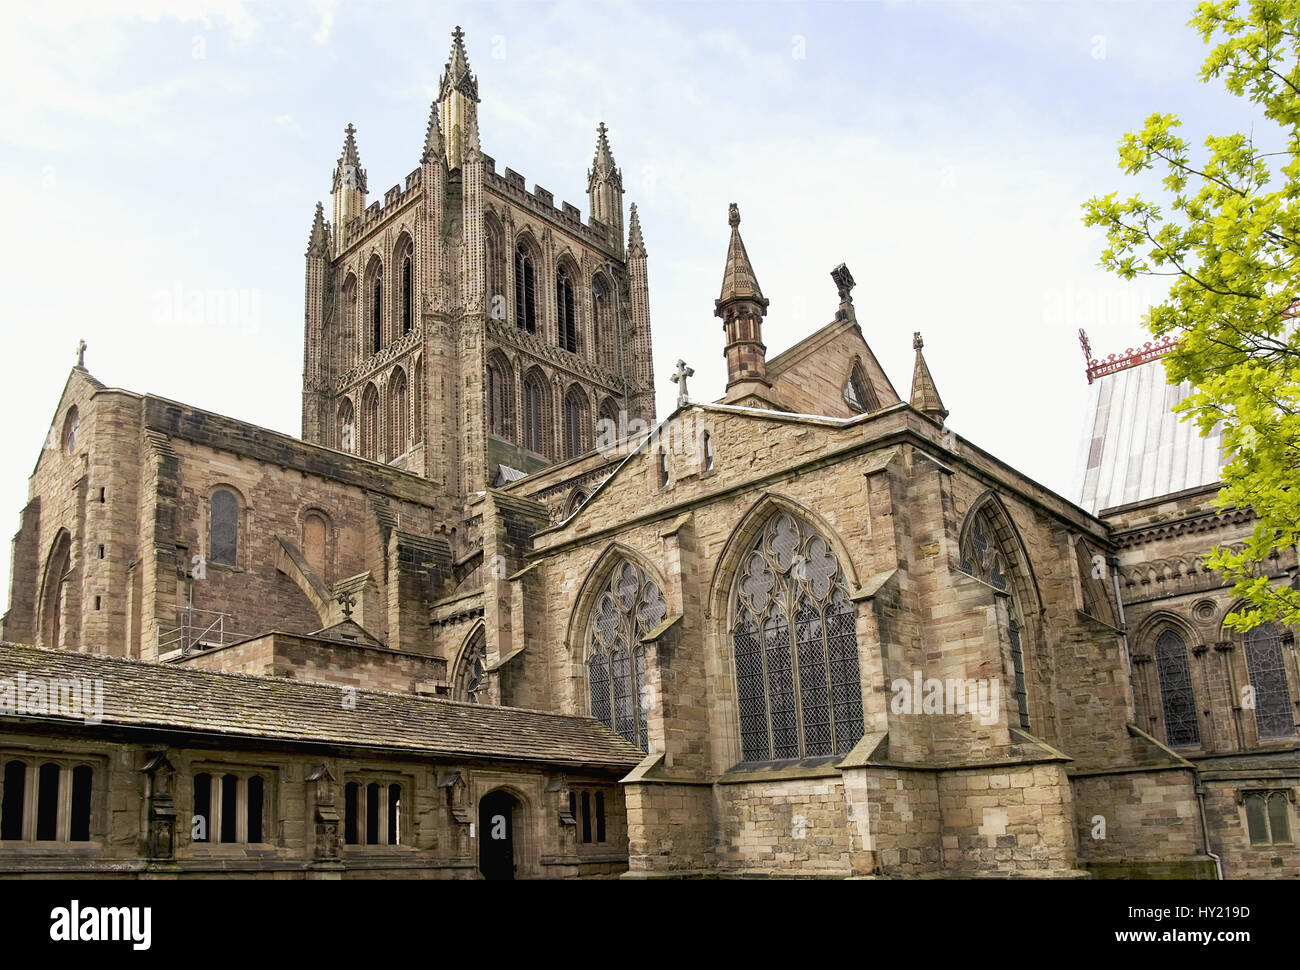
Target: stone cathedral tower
x=463, y=327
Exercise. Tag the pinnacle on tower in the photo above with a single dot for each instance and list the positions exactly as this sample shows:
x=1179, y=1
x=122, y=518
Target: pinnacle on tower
x=318, y=244
x=738, y=279
x=458, y=106
x=925, y=397
x=602, y=165
x=635, y=241
x=433, y=144
x=348, y=171
x=456, y=75
x=605, y=189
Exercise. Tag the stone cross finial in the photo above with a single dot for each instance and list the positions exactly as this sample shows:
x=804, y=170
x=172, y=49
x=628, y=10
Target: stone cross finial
x=347, y=602
x=81, y=353
x=733, y=216
x=843, y=282
x=917, y=342
x=458, y=34
x=679, y=378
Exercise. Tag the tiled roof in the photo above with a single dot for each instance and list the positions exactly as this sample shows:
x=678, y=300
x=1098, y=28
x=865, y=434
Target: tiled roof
x=1135, y=447
x=147, y=695
x=506, y=475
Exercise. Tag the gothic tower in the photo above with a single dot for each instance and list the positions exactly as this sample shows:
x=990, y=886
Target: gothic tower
x=464, y=327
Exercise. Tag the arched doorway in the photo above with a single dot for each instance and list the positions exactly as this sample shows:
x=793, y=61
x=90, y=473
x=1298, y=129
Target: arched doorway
x=499, y=813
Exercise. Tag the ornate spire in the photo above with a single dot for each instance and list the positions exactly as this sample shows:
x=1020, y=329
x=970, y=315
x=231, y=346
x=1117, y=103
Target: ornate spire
x=318, y=244
x=348, y=171
x=456, y=75
x=925, y=397
x=635, y=241
x=738, y=279
x=433, y=144
x=602, y=164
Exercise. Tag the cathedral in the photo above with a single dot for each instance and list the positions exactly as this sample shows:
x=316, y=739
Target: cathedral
x=492, y=617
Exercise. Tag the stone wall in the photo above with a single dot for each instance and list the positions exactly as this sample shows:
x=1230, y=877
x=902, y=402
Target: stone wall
x=327, y=661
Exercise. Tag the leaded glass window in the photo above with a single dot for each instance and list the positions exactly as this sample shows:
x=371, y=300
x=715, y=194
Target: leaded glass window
x=795, y=640
x=223, y=527
x=1274, y=716
x=983, y=556
x=1268, y=817
x=1176, y=695
x=533, y=414
x=525, y=290
x=628, y=607
x=575, y=420
x=564, y=312
x=471, y=678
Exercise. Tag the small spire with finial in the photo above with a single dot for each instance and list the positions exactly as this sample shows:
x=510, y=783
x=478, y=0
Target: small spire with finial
x=635, y=241
x=925, y=396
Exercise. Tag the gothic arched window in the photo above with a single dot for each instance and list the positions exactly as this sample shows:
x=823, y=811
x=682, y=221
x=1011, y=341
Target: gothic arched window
x=984, y=556
x=575, y=423
x=377, y=310
x=223, y=527
x=628, y=608
x=795, y=638
x=495, y=267
x=858, y=392
x=417, y=387
x=471, y=679
x=608, y=429
x=70, y=426
x=605, y=352
x=408, y=293
x=370, y=422
x=349, y=341
x=1274, y=716
x=500, y=398
x=397, y=411
x=1177, y=699
x=525, y=289
x=564, y=313
x=576, y=501
x=347, y=427
x=534, y=414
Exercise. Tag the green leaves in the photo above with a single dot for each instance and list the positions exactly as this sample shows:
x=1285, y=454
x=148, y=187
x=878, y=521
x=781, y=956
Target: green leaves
x=1230, y=243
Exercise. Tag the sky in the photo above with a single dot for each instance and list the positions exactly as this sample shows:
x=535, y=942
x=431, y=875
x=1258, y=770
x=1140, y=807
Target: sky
x=152, y=150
